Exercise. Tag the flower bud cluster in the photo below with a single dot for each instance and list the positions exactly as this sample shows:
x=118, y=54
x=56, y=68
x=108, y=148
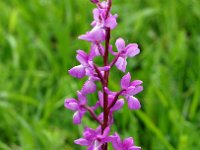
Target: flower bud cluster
x=108, y=101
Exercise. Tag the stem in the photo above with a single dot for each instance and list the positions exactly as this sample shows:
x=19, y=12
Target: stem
x=105, y=95
x=106, y=75
x=89, y=109
x=109, y=7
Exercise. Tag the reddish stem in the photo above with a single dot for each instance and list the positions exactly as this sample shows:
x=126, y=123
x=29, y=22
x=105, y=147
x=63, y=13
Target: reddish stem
x=106, y=75
x=105, y=95
x=109, y=7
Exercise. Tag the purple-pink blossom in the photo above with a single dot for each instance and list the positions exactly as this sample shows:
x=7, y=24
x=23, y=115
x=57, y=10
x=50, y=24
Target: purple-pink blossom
x=128, y=90
x=123, y=52
x=131, y=89
x=126, y=144
x=94, y=139
x=100, y=19
x=77, y=106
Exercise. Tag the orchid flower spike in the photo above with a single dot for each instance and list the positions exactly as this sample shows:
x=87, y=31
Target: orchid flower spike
x=108, y=102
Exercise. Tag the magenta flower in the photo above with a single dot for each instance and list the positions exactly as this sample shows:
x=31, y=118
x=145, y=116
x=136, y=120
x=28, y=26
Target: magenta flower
x=85, y=65
x=128, y=90
x=93, y=139
x=124, y=52
x=77, y=106
x=100, y=19
x=127, y=144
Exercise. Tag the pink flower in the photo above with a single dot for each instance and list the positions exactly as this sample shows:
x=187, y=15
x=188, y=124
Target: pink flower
x=126, y=144
x=124, y=52
x=80, y=70
x=77, y=106
x=100, y=19
x=93, y=139
x=131, y=89
x=128, y=90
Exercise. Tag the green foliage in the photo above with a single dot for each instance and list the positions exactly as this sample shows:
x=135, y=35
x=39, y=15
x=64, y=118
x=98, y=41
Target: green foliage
x=37, y=47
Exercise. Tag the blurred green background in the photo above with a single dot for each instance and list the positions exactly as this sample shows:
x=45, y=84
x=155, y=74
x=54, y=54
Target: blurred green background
x=38, y=39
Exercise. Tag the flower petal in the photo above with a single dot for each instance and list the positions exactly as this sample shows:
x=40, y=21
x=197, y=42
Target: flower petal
x=125, y=81
x=89, y=87
x=82, y=98
x=116, y=142
x=111, y=22
x=77, y=117
x=94, y=51
x=97, y=34
x=100, y=95
x=132, y=50
x=128, y=142
x=118, y=105
x=121, y=64
x=100, y=117
x=136, y=82
x=82, y=142
x=120, y=44
x=77, y=71
x=96, y=14
x=134, y=90
x=71, y=104
x=110, y=99
x=133, y=103
x=97, y=145
x=89, y=133
x=134, y=148
x=82, y=57
x=104, y=4
x=106, y=132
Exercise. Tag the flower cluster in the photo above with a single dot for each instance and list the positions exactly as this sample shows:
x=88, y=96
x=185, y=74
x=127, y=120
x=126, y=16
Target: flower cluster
x=108, y=101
